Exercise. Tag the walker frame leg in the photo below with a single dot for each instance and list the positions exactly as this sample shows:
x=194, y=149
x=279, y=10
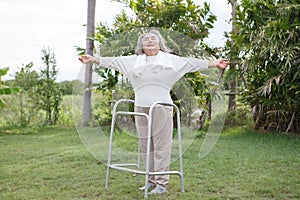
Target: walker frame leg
x=110, y=150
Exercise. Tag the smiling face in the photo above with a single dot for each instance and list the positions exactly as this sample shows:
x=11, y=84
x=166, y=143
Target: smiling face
x=150, y=44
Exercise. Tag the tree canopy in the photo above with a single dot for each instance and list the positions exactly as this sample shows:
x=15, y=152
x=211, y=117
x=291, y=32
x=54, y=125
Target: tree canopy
x=268, y=44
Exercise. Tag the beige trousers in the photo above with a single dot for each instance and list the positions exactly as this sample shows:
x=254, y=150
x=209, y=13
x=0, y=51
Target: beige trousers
x=161, y=140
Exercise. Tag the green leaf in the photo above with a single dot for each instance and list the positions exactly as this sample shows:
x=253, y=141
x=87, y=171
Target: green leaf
x=7, y=90
x=2, y=103
x=4, y=71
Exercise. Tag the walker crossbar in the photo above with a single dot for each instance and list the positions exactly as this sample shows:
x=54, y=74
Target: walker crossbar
x=124, y=167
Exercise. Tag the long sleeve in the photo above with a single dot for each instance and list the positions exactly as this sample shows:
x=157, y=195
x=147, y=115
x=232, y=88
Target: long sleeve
x=194, y=64
x=123, y=64
x=185, y=65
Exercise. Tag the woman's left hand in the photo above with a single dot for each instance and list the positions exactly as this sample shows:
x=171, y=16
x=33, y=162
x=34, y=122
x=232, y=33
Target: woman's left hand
x=222, y=63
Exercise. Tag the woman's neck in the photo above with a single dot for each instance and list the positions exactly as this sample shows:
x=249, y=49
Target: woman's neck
x=151, y=52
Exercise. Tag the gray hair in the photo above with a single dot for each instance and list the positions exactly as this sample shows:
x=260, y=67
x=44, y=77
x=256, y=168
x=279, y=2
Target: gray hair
x=162, y=43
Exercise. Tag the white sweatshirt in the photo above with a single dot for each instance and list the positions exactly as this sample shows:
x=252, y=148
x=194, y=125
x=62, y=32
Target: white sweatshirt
x=152, y=77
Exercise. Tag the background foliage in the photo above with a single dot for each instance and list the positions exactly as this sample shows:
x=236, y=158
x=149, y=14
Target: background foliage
x=268, y=43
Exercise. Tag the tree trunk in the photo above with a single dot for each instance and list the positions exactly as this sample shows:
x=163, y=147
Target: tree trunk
x=232, y=84
x=86, y=111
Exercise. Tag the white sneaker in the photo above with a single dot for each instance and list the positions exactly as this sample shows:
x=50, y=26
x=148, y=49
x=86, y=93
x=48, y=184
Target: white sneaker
x=158, y=190
x=150, y=186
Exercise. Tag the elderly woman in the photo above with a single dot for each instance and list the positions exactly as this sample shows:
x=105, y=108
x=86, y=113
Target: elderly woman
x=152, y=72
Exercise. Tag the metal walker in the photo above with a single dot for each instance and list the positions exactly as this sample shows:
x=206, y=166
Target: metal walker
x=123, y=167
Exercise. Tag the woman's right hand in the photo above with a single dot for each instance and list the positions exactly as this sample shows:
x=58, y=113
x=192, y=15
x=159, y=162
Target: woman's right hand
x=85, y=59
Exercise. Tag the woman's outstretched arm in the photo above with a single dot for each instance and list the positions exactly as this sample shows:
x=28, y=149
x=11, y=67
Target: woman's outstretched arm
x=85, y=59
x=221, y=64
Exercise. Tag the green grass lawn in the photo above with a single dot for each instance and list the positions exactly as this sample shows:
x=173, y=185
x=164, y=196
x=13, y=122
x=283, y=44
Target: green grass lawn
x=52, y=163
